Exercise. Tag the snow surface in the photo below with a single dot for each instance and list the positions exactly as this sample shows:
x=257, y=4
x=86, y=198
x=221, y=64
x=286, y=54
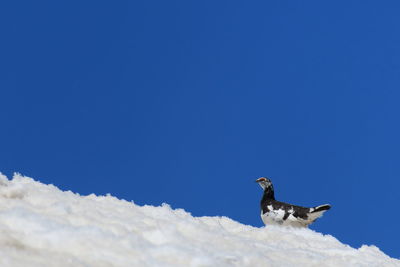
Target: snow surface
x=41, y=225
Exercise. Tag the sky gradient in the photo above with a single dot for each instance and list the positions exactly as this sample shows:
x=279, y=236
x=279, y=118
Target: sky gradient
x=189, y=102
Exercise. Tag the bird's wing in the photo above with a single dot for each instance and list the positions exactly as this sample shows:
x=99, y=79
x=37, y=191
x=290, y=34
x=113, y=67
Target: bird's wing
x=288, y=211
x=292, y=214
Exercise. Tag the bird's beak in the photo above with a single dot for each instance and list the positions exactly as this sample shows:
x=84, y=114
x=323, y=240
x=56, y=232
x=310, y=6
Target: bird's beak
x=258, y=180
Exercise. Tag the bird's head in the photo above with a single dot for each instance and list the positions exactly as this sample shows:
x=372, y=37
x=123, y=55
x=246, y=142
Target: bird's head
x=265, y=183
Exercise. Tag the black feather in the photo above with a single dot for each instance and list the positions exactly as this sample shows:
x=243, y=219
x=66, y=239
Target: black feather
x=321, y=208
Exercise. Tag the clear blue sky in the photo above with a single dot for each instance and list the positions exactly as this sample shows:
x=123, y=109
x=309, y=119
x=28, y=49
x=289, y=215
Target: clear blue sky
x=188, y=102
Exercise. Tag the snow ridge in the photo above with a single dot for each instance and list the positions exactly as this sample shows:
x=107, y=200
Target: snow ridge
x=41, y=225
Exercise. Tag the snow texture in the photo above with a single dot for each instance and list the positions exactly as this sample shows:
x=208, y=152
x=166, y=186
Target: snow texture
x=41, y=225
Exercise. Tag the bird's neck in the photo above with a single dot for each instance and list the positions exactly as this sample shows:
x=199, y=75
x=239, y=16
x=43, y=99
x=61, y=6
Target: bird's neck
x=268, y=194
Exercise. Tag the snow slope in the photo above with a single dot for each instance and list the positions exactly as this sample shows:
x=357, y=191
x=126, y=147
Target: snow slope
x=41, y=225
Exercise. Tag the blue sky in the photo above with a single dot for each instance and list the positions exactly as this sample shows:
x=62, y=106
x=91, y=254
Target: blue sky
x=188, y=102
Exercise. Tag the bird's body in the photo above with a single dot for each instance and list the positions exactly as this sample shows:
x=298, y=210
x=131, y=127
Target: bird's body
x=280, y=213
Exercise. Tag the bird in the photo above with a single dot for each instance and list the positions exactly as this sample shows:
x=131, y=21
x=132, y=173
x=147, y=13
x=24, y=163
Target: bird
x=274, y=212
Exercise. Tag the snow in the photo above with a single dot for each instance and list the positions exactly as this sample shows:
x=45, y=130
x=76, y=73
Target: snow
x=41, y=225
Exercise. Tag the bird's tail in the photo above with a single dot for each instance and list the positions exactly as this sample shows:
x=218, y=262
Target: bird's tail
x=320, y=208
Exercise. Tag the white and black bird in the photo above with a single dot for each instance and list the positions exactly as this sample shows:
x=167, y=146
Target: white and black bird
x=280, y=213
